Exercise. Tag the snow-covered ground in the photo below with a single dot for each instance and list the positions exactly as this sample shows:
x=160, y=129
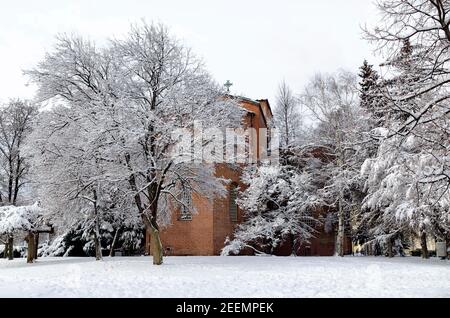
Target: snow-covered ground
x=231, y=277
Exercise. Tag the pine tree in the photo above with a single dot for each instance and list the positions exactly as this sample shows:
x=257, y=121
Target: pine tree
x=371, y=88
x=404, y=186
x=369, y=81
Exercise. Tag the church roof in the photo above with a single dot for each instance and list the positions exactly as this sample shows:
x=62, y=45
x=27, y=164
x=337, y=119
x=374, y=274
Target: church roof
x=257, y=102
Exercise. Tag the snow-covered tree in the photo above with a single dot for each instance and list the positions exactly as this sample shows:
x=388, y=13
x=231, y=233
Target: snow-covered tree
x=288, y=116
x=121, y=105
x=69, y=163
x=400, y=199
x=369, y=81
x=279, y=204
x=371, y=98
x=22, y=219
x=414, y=38
x=15, y=126
x=340, y=129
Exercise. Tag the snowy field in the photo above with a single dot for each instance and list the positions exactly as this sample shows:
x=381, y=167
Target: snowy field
x=231, y=277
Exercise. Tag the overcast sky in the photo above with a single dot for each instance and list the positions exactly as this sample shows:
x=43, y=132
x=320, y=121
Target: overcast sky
x=253, y=43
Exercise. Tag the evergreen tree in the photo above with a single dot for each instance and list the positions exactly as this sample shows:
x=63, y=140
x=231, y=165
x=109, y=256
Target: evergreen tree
x=368, y=84
x=405, y=186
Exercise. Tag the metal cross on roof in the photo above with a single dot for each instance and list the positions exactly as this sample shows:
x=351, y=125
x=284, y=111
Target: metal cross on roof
x=228, y=84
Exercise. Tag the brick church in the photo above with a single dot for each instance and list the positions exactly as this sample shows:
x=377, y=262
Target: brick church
x=204, y=233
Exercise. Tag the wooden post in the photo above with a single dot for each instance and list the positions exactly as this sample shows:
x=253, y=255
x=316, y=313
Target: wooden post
x=51, y=230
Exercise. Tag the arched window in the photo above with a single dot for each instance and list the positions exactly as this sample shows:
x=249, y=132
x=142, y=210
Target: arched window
x=233, y=207
x=185, y=213
x=308, y=219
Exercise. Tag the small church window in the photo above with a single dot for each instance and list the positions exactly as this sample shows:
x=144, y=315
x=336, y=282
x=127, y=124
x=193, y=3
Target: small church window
x=308, y=219
x=233, y=203
x=186, y=214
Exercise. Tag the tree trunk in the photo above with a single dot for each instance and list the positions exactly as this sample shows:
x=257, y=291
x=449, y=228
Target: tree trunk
x=423, y=245
x=447, y=245
x=390, y=248
x=98, y=249
x=155, y=239
x=10, y=181
x=17, y=179
x=157, y=249
x=286, y=124
x=98, y=246
x=113, y=244
x=341, y=233
x=5, y=251
x=10, y=249
x=341, y=221
x=36, y=245
x=153, y=194
x=31, y=247
x=154, y=191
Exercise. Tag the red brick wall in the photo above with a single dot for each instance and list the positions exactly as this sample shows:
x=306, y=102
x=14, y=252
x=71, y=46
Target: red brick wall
x=223, y=226
x=206, y=233
x=184, y=238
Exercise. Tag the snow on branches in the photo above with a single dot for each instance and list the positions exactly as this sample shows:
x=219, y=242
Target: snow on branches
x=280, y=204
x=21, y=218
x=116, y=109
x=408, y=180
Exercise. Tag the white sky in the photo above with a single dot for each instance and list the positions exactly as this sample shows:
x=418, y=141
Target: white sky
x=253, y=43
